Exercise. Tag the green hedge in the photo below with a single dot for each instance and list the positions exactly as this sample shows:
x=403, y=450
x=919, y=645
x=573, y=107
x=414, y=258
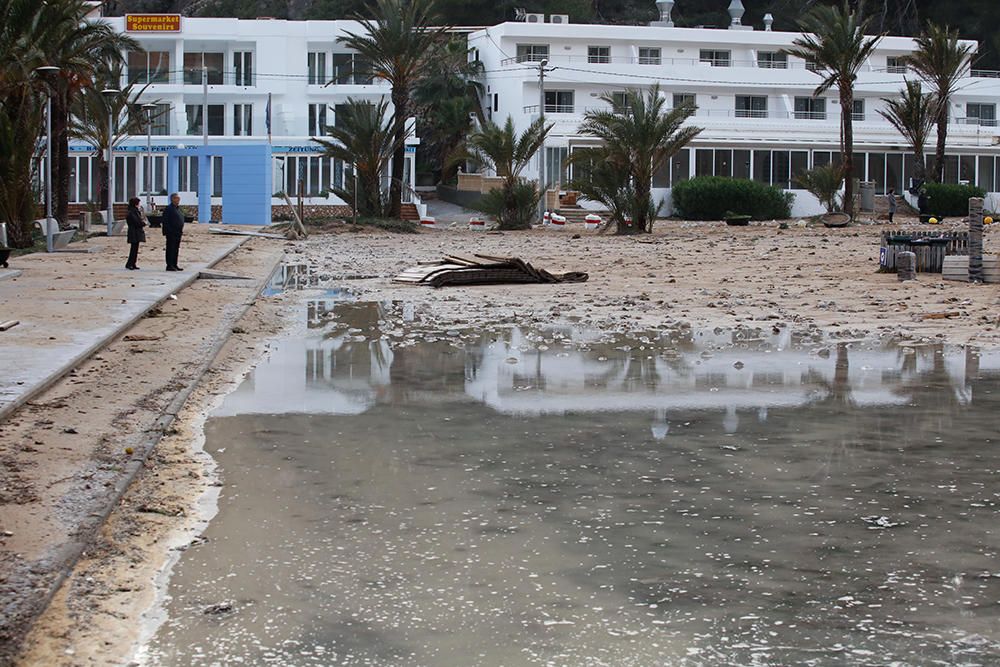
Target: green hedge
x=715, y=197
x=950, y=199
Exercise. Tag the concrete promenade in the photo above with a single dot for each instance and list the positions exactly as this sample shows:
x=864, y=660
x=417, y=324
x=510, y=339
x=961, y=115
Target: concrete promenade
x=71, y=304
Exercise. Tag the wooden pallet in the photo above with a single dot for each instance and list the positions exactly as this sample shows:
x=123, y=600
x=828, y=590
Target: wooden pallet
x=956, y=267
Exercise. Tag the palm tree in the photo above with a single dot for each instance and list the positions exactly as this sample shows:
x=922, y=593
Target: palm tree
x=940, y=61
x=365, y=137
x=637, y=140
x=447, y=100
x=507, y=154
x=835, y=42
x=90, y=117
x=398, y=42
x=913, y=114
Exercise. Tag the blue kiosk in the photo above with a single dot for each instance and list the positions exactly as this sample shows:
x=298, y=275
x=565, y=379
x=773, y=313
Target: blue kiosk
x=246, y=181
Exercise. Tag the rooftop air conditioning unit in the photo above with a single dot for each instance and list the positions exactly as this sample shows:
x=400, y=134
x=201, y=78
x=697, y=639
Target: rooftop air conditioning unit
x=534, y=18
x=559, y=18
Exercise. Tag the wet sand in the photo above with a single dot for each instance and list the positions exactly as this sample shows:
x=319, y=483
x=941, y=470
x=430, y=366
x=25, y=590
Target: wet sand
x=701, y=274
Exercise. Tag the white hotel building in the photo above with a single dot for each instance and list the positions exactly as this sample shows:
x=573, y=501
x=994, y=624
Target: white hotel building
x=755, y=104
x=296, y=65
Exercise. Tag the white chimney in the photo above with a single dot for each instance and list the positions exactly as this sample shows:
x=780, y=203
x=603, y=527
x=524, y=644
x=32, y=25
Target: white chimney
x=736, y=11
x=665, y=7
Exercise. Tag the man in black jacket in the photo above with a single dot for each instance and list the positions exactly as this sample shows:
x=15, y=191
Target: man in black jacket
x=173, y=229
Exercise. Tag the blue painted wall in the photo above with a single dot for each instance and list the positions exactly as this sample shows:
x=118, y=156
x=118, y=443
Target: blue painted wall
x=246, y=181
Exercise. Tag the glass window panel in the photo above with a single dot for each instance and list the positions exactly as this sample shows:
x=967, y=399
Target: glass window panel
x=649, y=56
x=159, y=66
x=821, y=158
x=741, y=164
x=243, y=68
x=762, y=166
x=780, y=165
x=598, y=54
x=723, y=162
x=800, y=165
x=216, y=176
x=343, y=68
x=876, y=171
x=680, y=166
x=315, y=176
x=951, y=169
x=138, y=66
x=894, y=172
x=532, y=52
x=985, y=178
x=967, y=168
x=704, y=162
x=216, y=119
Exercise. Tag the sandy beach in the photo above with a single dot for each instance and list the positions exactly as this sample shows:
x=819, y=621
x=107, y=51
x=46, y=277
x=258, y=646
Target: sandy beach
x=697, y=274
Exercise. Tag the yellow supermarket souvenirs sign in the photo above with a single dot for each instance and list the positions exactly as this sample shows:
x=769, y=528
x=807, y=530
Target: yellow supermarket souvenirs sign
x=152, y=22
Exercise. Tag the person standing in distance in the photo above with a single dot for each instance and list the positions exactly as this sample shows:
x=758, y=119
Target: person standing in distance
x=891, y=197
x=173, y=229
x=136, y=235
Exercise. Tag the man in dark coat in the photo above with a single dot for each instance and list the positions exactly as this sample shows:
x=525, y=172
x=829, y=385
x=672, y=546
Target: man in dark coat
x=136, y=235
x=173, y=229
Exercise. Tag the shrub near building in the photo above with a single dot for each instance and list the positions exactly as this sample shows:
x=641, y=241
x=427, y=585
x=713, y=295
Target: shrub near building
x=951, y=199
x=717, y=197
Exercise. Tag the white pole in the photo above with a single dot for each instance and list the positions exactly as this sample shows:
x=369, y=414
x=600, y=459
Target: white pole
x=48, y=171
x=541, y=116
x=149, y=160
x=204, y=103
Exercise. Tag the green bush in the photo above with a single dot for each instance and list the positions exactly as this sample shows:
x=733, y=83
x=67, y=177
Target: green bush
x=713, y=197
x=950, y=199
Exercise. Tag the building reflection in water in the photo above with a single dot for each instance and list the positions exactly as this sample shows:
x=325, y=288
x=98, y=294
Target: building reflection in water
x=346, y=365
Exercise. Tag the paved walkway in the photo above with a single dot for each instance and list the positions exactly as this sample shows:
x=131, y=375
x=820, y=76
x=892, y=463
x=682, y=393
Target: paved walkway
x=71, y=304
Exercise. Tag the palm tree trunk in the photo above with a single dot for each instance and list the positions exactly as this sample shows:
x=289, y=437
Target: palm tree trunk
x=400, y=103
x=847, y=147
x=942, y=139
x=919, y=164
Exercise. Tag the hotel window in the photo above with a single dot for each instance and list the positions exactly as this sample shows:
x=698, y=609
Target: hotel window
x=558, y=101
x=680, y=99
x=126, y=177
x=751, y=106
x=772, y=60
x=532, y=53
x=242, y=120
x=811, y=66
x=243, y=68
x=715, y=58
x=619, y=100
x=317, y=68
x=159, y=119
x=977, y=113
x=216, y=119
x=317, y=120
x=649, y=56
x=895, y=65
x=349, y=68
x=187, y=173
x=598, y=54
x=858, y=111
x=83, y=178
x=810, y=108
x=194, y=62
x=149, y=67
x=158, y=175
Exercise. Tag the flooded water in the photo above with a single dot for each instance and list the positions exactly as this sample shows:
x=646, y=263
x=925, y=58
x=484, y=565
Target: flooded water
x=400, y=496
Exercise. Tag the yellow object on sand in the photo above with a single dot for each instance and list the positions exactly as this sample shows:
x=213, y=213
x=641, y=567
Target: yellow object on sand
x=933, y=221
x=987, y=220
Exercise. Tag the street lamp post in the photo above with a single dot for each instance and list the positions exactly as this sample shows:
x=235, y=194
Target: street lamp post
x=49, y=156
x=109, y=95
x=541, y=116
x=149, y=108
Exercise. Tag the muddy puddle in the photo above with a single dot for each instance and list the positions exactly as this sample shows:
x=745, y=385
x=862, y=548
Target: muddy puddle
x=402, y=495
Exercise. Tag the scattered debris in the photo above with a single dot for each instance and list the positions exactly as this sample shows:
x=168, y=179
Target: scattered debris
x=9, y=324
x=454, y=270
x=135, y=338
x=940, y=316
